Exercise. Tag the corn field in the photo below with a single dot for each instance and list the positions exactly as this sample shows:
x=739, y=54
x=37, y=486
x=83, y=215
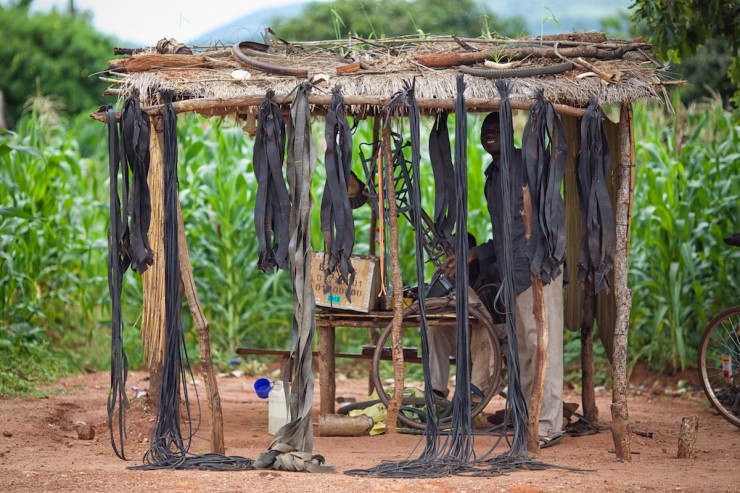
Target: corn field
x=54, y=217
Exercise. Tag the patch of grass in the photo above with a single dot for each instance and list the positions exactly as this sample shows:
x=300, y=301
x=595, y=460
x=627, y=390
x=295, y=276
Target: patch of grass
x=22, y=373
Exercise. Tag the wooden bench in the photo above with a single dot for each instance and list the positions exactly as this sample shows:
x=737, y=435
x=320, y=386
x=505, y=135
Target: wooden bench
x=410, y=355
x=327, y=321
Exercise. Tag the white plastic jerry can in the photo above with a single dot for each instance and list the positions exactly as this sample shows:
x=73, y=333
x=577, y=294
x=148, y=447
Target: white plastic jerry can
x=277, y=409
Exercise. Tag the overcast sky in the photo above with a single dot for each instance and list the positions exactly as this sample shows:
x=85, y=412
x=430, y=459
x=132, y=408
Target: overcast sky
x=143, y=22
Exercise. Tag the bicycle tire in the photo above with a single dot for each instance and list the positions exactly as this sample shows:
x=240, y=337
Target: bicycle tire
x=435, y=303
x=721, y=341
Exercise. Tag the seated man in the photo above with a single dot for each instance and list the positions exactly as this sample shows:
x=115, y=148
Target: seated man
x=443, y=340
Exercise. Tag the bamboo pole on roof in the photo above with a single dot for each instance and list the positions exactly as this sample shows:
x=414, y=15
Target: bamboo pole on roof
x=240, y=104
x=623, y=295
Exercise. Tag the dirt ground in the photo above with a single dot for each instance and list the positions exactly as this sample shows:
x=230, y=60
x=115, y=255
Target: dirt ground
x=40, y=449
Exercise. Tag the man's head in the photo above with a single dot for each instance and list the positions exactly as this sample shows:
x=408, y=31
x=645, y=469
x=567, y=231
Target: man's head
x=490, y=134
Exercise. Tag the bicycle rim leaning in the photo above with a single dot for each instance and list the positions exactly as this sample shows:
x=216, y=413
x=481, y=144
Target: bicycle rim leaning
x=719, y=364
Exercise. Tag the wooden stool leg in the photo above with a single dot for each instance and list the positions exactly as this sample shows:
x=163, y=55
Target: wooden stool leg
x=326, y=369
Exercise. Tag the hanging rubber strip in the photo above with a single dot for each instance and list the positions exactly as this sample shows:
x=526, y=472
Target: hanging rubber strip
x=292, y=446
x=272, y=203
x=117, y=265
x=460, y=444
x=445, y=204
x=337, y=224
x=545, y=154
x=503, y=238
x=167, y=445
x=598, y=244
x=398, y=103
x=138, y=207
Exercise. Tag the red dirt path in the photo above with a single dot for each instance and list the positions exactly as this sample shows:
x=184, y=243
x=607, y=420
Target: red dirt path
x=40, y=451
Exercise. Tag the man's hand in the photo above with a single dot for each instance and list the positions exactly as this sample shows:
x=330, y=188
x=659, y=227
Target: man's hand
x=448, y=268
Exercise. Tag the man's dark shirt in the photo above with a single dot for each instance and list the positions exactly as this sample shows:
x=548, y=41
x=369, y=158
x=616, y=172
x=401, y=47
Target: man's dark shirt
x=488, y=252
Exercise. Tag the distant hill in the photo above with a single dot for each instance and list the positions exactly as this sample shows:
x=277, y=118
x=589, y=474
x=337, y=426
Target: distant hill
x=572, y=15
x=250, y=27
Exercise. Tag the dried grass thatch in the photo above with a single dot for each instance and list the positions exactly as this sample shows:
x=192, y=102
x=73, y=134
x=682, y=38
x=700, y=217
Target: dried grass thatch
x=370, y=72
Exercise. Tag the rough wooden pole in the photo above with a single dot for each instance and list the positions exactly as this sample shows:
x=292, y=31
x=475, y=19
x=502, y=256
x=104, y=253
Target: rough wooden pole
x=394, y=403
x=588, y=394
x=373, y=332
x=540, y=358
x=152, y=320
x=327, y=369
x=215, y=415
x=241, y=104
x=620, y=416
x=3, y=121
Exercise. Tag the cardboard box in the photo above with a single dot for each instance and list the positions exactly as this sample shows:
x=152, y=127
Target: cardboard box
x=364, y=291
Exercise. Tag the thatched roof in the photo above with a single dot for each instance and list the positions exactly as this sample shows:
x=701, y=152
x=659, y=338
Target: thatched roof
x=213, y=80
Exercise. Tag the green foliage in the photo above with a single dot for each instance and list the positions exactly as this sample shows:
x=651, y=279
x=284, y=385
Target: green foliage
x=687, y=198
x=388, y=18
x=244, y=306
x=53, y=220
x=707, y=73
x=572, y=361
x=22, y=373
x=53, y=54
x=679, y=29
x=52, y=246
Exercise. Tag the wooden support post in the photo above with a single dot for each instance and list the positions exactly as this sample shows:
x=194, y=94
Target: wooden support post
x=394, y=404
x=372, y=331
x=540, y=365
x=687, y=438
x=153, y=318
x=620, y=416
x=327, y=370
x=588, y=395
x=215, y=415
x=540, y=358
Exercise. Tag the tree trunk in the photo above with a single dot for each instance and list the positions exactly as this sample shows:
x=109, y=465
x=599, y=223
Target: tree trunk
x=394, y=403
x=687, y=438
x=620, y=415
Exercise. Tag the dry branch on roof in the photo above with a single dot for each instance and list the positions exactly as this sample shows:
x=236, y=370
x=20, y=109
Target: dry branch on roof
x=370, y=72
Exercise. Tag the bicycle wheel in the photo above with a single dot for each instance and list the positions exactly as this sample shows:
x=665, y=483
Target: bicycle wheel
x=444, y=420
x=719, y=364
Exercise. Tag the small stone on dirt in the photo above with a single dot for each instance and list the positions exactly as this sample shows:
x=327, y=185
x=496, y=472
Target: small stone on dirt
x=86, y=432
x=7, y=434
